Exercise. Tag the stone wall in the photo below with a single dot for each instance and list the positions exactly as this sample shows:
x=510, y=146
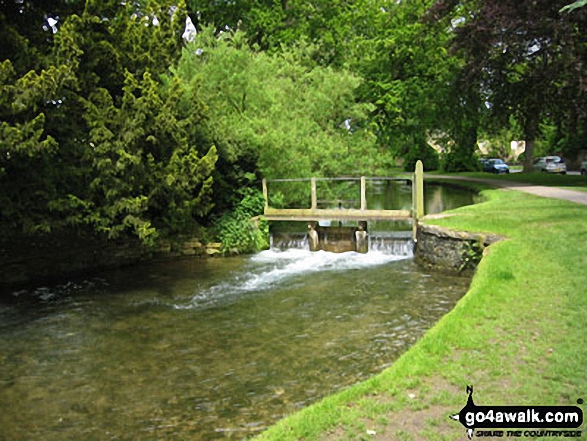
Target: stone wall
x=455, y=251
x=57, y=256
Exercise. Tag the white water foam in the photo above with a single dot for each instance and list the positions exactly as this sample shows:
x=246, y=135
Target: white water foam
x=270, y=268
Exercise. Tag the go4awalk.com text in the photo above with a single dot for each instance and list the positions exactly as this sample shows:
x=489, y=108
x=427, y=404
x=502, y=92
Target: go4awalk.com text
x=520, y=421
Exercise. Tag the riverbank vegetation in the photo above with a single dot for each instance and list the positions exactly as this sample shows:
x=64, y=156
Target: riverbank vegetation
x=147, y=118
x=517, y=336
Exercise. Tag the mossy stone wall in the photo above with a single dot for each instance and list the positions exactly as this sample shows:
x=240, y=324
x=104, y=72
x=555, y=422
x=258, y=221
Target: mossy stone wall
x=449, y=250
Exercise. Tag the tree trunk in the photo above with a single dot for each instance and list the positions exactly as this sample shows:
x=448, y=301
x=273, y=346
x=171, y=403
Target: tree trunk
x=529, y=155
x=530, y=131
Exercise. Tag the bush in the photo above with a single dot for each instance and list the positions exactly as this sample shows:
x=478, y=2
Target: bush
x=459, y=161
x=237, y=232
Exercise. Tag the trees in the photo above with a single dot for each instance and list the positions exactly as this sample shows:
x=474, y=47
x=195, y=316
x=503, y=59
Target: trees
x=276, y=115
x=96, y=136
x=148, y=175
x=96, y=132
x=523, y=57
x=330, y=25
x=27, y=180
x=90, y=137
x=409, y=76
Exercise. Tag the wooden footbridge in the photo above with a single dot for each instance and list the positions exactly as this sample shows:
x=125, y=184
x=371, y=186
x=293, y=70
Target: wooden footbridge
x=313, y=214
x=341, y=238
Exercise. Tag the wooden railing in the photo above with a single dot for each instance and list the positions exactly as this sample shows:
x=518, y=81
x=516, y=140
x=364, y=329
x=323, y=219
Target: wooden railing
x=314, y=213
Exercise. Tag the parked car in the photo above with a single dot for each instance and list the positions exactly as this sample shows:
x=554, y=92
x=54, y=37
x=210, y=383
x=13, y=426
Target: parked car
x=495, y=166
x=551, y=164
x=584, y=168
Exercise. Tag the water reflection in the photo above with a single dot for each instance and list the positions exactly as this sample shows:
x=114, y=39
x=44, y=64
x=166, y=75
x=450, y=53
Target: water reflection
x=392, y=195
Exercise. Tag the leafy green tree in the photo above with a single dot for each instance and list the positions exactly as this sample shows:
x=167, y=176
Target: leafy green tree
x=28, y=27
x=148, y=176
x=410, y=76
x=331, y=26
x=523, y=57
x=26, y=151
x=276, y=114
x=92, y=139
x=236, y=229
x=151, y=32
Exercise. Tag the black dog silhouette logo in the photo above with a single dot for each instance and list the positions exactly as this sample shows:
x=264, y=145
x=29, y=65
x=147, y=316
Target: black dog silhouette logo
x=469, y=407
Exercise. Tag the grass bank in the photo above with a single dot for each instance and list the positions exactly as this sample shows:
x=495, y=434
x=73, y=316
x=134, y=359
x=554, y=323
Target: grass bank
x=536, y=178
x=518, y=335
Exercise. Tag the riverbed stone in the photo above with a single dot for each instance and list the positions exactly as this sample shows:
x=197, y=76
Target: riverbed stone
x=191, y=243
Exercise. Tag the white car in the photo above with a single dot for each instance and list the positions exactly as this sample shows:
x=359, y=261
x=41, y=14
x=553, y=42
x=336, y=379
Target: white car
x=584, y=168
x=551, y=164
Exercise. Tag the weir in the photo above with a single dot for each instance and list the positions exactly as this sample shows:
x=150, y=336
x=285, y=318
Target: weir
x=323, y=234
x=392, y=243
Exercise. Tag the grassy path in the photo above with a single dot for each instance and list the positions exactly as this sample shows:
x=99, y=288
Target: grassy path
x=519, y=335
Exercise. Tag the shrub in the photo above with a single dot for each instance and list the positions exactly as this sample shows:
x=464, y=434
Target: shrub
x=237, y=232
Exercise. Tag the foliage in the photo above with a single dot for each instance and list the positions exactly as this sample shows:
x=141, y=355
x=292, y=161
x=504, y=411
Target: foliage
x=89, y=137
x=524, y=59
x=421, y=152
x=498, y=140
x=236, y=229
x=98, y=133
x=27, y=153
x=409, y=76
x=459, y=160
x=571, y=7
x=279, y=116
x=148, y=172
x=331, y=26
x=471, y=254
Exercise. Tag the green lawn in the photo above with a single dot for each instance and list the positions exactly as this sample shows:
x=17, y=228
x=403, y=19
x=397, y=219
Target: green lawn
x=518, y=335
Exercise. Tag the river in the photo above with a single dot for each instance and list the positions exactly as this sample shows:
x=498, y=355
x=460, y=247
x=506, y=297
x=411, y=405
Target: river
x=207, y=348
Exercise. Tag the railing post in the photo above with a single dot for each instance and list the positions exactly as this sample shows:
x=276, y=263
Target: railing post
x=313, y=190
x=417, y=198
x=419, y=178
x=265, y=194
x=363, y=196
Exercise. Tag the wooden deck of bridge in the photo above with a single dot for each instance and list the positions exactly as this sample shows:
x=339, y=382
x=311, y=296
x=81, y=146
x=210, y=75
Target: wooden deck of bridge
x=309, y=215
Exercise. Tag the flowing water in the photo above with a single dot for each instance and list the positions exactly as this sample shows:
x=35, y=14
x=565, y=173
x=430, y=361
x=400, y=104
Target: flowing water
x=207, y=348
